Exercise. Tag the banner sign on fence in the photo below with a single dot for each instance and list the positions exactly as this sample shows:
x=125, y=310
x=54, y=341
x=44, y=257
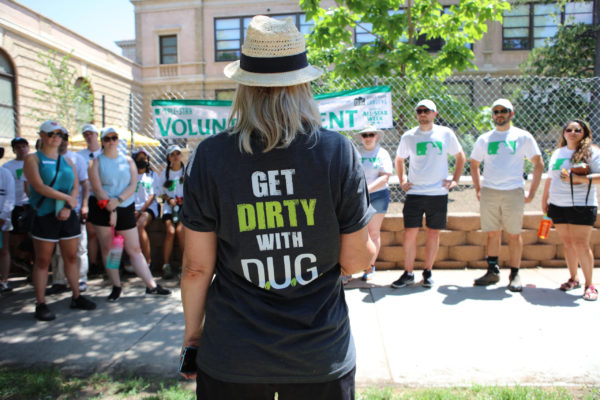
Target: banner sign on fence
x=342, y=111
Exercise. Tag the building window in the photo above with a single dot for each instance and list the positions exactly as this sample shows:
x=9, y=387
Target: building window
x=230, y=34
x=84, y=109
x=168, y=49
x=527, y=26
x=8, y=103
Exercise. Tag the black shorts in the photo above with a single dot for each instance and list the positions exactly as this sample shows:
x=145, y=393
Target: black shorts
x=339, y=389
x=48, y=228
x=435, y=209
x=125, y=216
x=17, y=228
x=578, y=215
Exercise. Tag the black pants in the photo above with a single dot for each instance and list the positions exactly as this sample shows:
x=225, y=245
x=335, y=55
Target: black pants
x=208, y=388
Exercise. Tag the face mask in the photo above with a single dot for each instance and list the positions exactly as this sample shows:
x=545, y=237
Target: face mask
x=142, y=164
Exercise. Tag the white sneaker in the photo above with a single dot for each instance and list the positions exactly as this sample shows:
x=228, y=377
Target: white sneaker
x=4, y=288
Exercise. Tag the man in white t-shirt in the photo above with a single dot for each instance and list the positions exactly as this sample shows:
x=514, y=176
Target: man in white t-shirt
x=427, y=148
x=501, y=193
x=93, y=150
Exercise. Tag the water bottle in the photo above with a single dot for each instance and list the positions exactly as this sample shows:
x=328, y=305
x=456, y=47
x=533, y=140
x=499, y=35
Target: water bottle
x=544, y=228
x=176, y=214
x=113, y=260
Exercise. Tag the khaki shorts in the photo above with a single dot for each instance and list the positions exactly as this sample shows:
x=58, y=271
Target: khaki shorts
x=502, y=207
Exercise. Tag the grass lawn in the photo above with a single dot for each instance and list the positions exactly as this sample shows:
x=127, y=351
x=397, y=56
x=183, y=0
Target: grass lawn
x=52, y=384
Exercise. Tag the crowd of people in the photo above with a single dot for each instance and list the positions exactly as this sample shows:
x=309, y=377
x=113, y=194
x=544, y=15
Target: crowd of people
x=80, y=201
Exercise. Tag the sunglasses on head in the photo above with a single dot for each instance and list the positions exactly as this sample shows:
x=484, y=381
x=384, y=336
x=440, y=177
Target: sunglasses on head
x=503, y=111
x=423, y=111
x=367, y=135
x=109, y=138
x=576, y=130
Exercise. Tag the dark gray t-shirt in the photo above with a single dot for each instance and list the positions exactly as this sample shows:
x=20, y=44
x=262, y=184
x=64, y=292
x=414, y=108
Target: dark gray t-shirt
x=276, y=310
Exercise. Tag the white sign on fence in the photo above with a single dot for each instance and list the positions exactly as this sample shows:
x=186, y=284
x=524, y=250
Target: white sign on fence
x=342, y=111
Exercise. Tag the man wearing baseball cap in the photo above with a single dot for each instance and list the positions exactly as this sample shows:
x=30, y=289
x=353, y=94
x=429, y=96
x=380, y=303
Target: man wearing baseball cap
x=501, y=193
x=427, y=147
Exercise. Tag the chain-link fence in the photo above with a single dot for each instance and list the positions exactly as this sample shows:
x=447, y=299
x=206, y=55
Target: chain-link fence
x=542, y=106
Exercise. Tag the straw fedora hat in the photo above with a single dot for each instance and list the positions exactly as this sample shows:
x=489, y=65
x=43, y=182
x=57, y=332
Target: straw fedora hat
x=273, y=54
x=368, y=129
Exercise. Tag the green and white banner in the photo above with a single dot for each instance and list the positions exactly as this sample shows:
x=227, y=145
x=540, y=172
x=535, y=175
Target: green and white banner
x=342, y=111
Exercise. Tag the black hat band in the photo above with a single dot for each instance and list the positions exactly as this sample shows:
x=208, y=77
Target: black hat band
x=273, y=65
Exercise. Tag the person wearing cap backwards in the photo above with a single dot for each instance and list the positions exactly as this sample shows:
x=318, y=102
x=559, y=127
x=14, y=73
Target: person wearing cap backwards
x=427, y=147
x=170, y=189
x=113, y=177
x=378, y=167
x=146, y=207
x=58, y=274
x=54, y=188
x=93, y=150
x=276, y=209
x=501, y=195
x=7, y=203
x=19, y=238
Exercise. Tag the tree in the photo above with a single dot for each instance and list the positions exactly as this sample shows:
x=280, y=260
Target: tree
x=64, y=98
x=570, y=53
x=403, y=35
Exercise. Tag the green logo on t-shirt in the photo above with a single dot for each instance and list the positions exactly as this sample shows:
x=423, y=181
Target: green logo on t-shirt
x=558, y=163
x=423, y=146
x=494, y=146
x=19, y=173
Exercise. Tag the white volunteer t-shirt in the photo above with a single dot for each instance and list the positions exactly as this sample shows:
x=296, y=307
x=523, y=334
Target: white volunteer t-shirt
x=145, y=188
x=7, y=198
x=16, y=170
x=503, y=155
x=560, y=192
x=175, y=190
x=428, y=158
x=374, y=162
x=81, y=167
x=88, y=156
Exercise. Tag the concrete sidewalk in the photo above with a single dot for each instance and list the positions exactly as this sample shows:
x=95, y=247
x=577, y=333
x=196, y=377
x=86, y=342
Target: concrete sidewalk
x=451, y=334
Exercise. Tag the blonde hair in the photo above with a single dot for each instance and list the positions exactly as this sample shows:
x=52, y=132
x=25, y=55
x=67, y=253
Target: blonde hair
x=274, y=115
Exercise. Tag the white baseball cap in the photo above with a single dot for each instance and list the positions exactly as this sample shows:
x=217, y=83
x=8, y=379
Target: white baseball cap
x=173, y=148
x=89, y=128
x=50, y=126
x=504, y=103
x=108, y=130
x=430, y=105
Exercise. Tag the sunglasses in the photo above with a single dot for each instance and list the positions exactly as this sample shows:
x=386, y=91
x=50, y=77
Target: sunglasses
x=503, y=111
x=367, y=135
x=50, y=134
x=109, y=138
x=423, y=111
x=576, y=130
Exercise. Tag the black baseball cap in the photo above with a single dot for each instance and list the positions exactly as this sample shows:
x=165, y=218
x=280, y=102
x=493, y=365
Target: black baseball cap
x=18, y=140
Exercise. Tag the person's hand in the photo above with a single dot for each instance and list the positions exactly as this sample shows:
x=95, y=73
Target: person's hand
x=406, y=186
x=112, y=204
x=478, y=194
x=84, y=213
x=172, y=202
x=72, y=201
x=545, y=206
x=63, y=214
x=112, y=220
x=137, y=215
x=529, y=197
x=449, y=184
x=186, y=343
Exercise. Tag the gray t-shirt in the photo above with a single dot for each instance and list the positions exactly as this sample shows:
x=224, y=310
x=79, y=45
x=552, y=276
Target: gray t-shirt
x=276, y=310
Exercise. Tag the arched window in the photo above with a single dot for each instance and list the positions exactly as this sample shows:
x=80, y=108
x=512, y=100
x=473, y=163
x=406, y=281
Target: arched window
x=8, y=98
x=84, y=110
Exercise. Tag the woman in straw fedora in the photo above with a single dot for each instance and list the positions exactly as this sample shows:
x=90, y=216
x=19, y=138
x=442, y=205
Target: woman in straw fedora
x=378, y=168
x=276, y=209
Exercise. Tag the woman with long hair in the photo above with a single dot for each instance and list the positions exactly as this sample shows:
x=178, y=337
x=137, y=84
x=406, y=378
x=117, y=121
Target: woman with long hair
x=170, y=184
x=114, y=178
x=146, y=207
x=569, y=199
x=276, y=209
x=54, y=189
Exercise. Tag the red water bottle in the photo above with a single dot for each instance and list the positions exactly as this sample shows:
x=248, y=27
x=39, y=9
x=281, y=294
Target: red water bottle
x=113, y=259
x=544, y=228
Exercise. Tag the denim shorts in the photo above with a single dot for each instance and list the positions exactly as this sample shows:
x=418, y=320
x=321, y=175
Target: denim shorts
x=380, y=200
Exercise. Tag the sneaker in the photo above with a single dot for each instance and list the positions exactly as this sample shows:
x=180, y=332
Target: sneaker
x=369, y=273
x=43, y=313
x=56, y=288
x=427, y=281
x=346, y=279
x=83, y=286
x=405, y=279
x=115, y=294
x=4, y=288
x=489, y=278
x=514, y=284
x=83, y=303
x=167, y=271
x=158, y=290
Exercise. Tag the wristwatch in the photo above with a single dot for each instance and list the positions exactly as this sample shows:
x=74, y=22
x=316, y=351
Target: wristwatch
x=120, y=199
x=68, y=206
